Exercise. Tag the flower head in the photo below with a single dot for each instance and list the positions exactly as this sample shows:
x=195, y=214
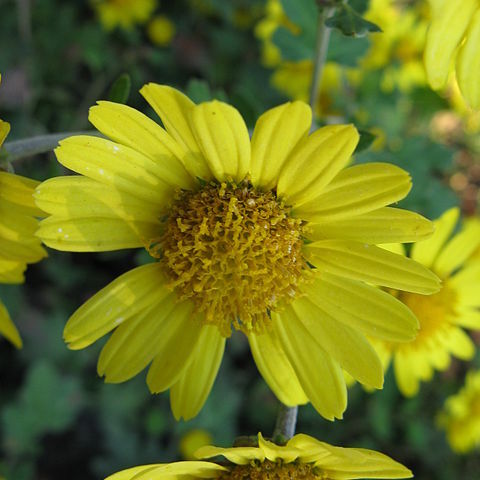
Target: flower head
x=454, y=38
x=442, y=316
x=18, y=244
x=460, y=416
x=123, y=13
x=302, y=458
x=273, y=237
x=161, y=30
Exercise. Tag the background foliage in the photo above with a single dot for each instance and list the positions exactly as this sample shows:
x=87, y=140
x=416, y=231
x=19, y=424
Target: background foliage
x=57, y=418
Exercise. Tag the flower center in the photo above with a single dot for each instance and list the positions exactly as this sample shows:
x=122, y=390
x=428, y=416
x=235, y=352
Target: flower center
x=433, y=312
x=235, y=251
x=268, y=470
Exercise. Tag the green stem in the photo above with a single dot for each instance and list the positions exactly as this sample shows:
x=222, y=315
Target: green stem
x=285, y=423
x=321, y=48
x=28, y=147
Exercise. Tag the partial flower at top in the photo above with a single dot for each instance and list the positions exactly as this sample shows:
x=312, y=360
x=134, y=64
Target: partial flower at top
x=453, y=42
x=123, y=13
x=444, y=315
x=302, y=458
x=460, y=416
x=398, y=49
x=227, y=221
x=18, y=244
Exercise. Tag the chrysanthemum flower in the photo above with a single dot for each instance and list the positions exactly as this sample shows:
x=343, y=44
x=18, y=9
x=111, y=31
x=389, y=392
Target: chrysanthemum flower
x=302, y=458
x=227, y=219
x=454, y=38
x=460, y=416
x=443, y=315
x=123, y=13
x=18, y=244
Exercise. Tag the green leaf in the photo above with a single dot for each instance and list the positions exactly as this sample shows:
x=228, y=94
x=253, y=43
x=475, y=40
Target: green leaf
x=199, y=91
x=350, y=23
x=120, y=90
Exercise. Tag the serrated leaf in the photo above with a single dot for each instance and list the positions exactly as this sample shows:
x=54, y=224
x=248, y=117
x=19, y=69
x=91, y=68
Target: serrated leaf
x=350, y=23
x=120, y=90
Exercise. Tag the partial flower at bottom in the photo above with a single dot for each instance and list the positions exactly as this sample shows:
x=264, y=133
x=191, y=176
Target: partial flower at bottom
x=444, y=315
x=302, y=458
x=460, y=417
x=274, y=237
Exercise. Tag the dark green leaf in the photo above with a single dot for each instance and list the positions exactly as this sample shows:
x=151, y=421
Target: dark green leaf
x=350, y=23
x=366, y=139
x=120, y=90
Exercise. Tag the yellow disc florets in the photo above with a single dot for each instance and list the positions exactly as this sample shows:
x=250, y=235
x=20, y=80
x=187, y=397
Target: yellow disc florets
x=268, y=470
x=235, y=251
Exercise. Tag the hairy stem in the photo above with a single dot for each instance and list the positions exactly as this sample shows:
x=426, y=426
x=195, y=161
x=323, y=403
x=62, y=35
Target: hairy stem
x=321, y=48
x=285, y=423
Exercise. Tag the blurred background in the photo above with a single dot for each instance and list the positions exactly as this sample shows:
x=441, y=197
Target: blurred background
x=57, y=58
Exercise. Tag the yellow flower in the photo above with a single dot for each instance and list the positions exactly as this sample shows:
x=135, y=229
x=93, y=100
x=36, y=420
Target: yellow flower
x=123, y=13
x=161, y=30
x=294, y=79
x=274, y=18
x=18, y=245
x=454, y=39
x=399, y=47
x=460, y=416
x=443, y=314
x=227, y=219
x=302, y=458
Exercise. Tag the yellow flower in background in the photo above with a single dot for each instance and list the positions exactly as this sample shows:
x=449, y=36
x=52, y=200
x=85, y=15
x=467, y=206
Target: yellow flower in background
x=192, y=441
x=123, y=13
x=161, y=30
x=453, y=42
x=398, y=49
x=18, y=244
x=302, y=458
x=226, y=217
x=460, y=416
x=274, y=18
x=294, y=79
x=443, y=315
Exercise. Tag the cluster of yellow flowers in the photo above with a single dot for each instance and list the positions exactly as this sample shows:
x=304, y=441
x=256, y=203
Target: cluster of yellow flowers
x=276, y=236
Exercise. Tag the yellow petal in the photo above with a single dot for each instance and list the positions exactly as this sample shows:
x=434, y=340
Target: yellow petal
x=446, y=32
x=174, y=109
x=223, y=138
x=274, y=452
x=11, y=271
x=468, y=63
x=344, y=344
x=129, y=127
x=405, y=373
x=468, y=318
x=276, y=370
x=357, y=190
x=131, y=473
x=134, y=344
x=119, y=301
x=237, y=455
x=188, y=395
x=26, y=250
x=95, y=234
x=8, y=328
x=459, y=344
x=77, y=196
x=371, y=310
x=18, y=191
x=368, y=263
x=426, y=251
x=276, y=134
x=314, y=163
x=118, y=166
x=385, y=225
x=458, y=250
x=4, y=129
x=179, y=338
x=320, y=376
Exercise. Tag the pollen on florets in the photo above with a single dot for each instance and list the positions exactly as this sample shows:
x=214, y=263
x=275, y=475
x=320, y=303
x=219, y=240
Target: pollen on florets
x=268, y=470
x=235, y=251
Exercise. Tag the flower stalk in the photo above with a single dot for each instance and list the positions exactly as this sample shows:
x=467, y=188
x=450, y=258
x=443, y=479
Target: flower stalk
x=285, y=424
